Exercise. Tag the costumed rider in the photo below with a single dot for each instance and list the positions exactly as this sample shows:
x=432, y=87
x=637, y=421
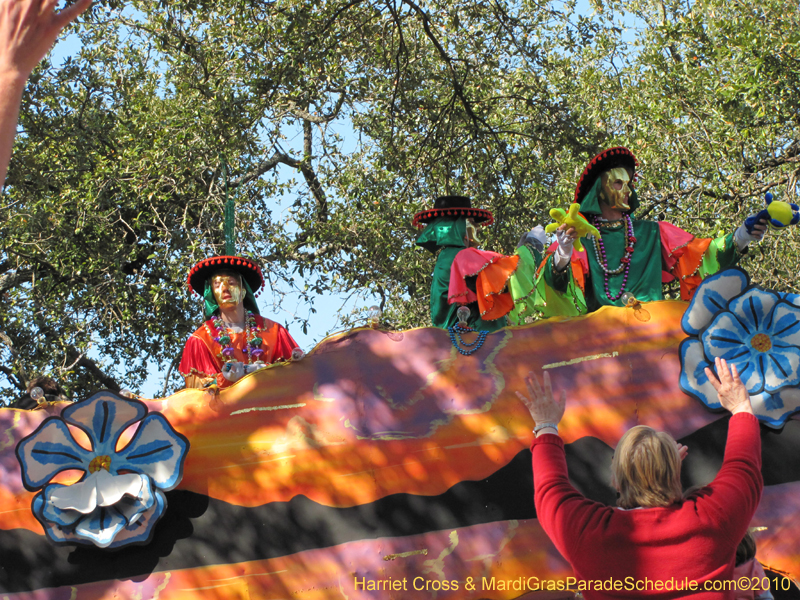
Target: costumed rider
x=630, y=256
x=236, y=339
x=522, y=284
x=464, y=275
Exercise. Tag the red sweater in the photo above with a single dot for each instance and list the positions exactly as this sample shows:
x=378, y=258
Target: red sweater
x=694, y=540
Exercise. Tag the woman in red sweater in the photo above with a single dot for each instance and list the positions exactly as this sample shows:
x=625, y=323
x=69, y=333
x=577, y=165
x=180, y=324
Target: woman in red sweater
x=656, y=544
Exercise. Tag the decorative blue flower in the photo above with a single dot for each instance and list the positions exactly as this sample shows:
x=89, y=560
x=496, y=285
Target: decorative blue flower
x=755, y=329
x=120, y=497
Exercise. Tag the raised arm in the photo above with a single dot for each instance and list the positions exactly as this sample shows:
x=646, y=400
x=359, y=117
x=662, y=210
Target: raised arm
x=731, y=391
x=736, y=490
x=543, y=406
x=28, y=29
x=563, y=512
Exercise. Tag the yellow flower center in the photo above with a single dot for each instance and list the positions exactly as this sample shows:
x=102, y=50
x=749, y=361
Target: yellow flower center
x=761, y=342
x=100, y=462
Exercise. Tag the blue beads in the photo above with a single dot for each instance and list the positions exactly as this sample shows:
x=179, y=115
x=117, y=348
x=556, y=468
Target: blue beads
x=459, y=344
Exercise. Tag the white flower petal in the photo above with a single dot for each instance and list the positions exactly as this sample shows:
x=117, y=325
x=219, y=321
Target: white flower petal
x=753, y=308
x=48, y=451
x=711, y=297
x=693, y=379
x=781, y=368
x=81, y=496
x=157, y=450
x=785, y=324
x=101, y=526
x=104, y=417
x=98, y=489
x=774, y=409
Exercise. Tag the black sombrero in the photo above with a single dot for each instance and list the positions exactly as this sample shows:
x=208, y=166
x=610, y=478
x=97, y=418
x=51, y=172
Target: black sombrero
x=453, y=206
x=606, y=160
x=247, y=268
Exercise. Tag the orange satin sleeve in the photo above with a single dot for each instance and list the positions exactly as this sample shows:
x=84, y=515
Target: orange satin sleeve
x=686, y=271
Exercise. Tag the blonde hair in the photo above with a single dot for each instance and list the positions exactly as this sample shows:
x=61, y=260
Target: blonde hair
x=646, y=468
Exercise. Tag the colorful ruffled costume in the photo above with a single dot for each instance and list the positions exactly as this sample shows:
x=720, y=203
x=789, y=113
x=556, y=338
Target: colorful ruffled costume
x=464, y=276
x=522, y=284
x=203, y=356
x=656, y=253
x=489, y=273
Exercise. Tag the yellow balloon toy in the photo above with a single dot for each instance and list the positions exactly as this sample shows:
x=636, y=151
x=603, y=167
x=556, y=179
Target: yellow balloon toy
x=573, y=218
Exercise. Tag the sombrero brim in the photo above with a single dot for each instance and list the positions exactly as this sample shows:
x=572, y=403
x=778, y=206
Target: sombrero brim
x=479, y=215
x=603, y=162
x=247, y=268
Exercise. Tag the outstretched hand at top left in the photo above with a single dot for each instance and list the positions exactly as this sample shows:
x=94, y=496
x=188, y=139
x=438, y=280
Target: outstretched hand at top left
x=28, y=29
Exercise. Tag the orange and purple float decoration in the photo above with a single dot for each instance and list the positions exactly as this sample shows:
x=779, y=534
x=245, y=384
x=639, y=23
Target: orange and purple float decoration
x=388, y=465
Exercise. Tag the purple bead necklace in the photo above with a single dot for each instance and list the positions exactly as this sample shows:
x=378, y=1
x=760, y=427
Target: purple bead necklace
x=624, y=263
x=252, y=348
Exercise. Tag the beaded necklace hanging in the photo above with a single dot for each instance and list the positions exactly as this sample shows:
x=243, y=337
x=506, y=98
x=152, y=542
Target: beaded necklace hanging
x=624, y=263
x=455, y=334
x=252, y=348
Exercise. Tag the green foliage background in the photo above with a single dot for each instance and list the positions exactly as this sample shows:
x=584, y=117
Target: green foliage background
x=374, y=108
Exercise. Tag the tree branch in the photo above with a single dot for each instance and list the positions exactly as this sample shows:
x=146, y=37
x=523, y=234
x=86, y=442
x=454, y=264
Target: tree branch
x=325, y=118
x=303, y=165
x=87, y=363
x=12, y=280
x=260, y=169
x=458, y=88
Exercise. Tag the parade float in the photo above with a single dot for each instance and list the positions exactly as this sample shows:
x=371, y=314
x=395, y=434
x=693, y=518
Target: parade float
x=388, y=464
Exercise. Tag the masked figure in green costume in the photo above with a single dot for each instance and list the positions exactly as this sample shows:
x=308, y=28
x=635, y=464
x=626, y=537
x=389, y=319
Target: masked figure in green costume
x=447, y=231
x=633, y=256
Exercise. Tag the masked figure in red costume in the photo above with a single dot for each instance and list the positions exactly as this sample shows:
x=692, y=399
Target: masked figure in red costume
x=235, y=340
x=631, y=255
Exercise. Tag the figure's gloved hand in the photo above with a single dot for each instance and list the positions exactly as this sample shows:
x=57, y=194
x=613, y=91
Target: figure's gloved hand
x=756, y=223
x=565, y=236
x=255, y=367
x=233, y=370
x=777, y=215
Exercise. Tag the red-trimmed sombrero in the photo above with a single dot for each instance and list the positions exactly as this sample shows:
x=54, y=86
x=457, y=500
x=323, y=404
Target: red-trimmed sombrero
x=606, y=160
x=247, y=268
x=453, y=206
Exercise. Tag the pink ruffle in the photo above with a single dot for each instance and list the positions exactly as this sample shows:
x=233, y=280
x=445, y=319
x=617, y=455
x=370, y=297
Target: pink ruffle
x=492, y=271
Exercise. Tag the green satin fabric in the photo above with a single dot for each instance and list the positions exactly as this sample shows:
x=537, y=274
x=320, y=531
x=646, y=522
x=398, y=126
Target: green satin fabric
x=645, y=275
x=522, y=285
x=445, y=235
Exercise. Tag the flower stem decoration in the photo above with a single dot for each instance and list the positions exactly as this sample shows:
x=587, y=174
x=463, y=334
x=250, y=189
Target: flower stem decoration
x=755, y=329
x=120, y=496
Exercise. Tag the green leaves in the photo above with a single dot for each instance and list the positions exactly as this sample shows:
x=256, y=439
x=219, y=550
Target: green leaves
x=339, y=120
